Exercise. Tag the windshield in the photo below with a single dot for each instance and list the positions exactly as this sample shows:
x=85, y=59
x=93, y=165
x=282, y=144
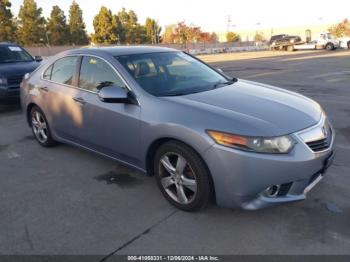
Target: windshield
x=171, y=73
x=12, y=54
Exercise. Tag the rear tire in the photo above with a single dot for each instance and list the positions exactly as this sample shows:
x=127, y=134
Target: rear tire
x=40, y=128
x=182, y=176
x=348, y=45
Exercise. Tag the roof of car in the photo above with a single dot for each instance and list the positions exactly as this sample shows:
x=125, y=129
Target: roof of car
x=121, y=50
x=7, y=44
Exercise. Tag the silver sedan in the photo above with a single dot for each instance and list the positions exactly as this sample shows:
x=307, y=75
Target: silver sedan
x=202, y=134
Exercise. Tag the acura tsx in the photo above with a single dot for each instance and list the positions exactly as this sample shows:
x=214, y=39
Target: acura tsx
x=202, y=134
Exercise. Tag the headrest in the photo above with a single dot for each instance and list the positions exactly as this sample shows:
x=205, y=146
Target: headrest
x=142, y=69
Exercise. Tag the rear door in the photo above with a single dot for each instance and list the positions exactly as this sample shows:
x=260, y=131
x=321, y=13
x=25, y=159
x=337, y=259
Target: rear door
x=59, y=88
x=110, y=128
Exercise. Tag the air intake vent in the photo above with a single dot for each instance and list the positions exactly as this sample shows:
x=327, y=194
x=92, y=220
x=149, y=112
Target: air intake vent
x=321, y=144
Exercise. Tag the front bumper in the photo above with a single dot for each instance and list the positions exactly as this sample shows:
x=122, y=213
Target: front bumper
x=241, y=178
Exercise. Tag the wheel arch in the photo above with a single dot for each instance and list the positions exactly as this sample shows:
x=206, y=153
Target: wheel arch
x=29, y=108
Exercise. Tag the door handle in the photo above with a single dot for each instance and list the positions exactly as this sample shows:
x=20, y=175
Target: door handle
x=44, y=88
x=79, y=100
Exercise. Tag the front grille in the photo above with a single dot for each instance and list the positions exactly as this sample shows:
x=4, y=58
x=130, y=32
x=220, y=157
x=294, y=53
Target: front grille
x=14, y=80
x=321, y=144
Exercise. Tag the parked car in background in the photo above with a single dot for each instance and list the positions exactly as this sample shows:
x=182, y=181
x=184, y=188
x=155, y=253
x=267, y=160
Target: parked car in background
x=15, y=62
x=198, y=131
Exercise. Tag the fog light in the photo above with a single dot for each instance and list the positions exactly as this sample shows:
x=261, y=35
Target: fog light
x=272, y=191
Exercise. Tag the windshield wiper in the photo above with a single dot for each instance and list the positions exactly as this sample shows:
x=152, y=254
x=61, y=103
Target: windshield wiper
x=179, y=94
x=231, y=81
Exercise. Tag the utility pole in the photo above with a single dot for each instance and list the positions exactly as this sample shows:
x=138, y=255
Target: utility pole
x=228, y=23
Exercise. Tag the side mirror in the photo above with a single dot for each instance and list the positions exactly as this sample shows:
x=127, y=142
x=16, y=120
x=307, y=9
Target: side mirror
x=38, y=58
x=223, y=73
x=115, y=94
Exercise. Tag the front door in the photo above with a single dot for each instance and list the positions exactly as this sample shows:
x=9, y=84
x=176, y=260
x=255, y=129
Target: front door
x=109, y=128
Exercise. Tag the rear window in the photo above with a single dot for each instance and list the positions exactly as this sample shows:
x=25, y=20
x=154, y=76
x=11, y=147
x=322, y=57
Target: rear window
x=63, y=70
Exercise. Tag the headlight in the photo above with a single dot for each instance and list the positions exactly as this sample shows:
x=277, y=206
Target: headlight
x=3, y=81
x=273, y=145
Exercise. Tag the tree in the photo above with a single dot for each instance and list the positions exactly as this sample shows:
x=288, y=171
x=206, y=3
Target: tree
x=152, y=30
x=185, y=34
x=134, y=32
x=214, y=38
x=194, y=34
x=77, y=26
x=259, y=37
x=123, y=18
x=105, y=25
x=341, y=29
x=232, y=37
x=168, y=36
x=31, y=24
x=129, y=29
x=140, y=35
x=205, y=37
x=57, y=27
x=181, y=33
x=7, y=25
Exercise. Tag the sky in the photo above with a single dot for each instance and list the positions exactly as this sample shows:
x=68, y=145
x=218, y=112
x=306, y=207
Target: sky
x=213, y=16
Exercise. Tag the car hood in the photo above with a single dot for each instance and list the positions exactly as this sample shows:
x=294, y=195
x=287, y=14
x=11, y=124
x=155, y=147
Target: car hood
x=19, y=68
x=261, y=106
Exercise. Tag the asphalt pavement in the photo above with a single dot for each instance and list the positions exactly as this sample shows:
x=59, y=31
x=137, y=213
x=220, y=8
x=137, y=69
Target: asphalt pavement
x=64, y=200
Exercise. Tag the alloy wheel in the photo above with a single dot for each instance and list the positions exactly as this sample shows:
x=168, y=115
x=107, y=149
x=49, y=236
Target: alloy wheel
x=178, y=178
x=39, y=127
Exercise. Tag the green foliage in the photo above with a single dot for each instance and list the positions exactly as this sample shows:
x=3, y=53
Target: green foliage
x=233, y=37
x=7, y=25
x=57, y=28
x=152, y=31
x=131, y=31
x=121, y=28
x=105, y=25
x=31, y=24
x=77, y=26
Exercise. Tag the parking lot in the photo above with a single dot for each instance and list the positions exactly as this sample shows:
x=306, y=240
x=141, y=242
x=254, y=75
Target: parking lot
x=65, y=200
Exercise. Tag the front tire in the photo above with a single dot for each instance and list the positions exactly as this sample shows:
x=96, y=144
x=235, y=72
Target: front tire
x=40, y=128
x=348, y=44
x=329, y=47
x=290, y=48
x=182, y=176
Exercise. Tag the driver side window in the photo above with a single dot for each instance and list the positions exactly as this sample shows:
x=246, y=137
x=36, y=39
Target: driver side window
x=96, y=74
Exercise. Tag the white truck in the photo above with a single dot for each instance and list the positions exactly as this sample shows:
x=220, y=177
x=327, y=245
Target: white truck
x=344, y=42
x=323, y=41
